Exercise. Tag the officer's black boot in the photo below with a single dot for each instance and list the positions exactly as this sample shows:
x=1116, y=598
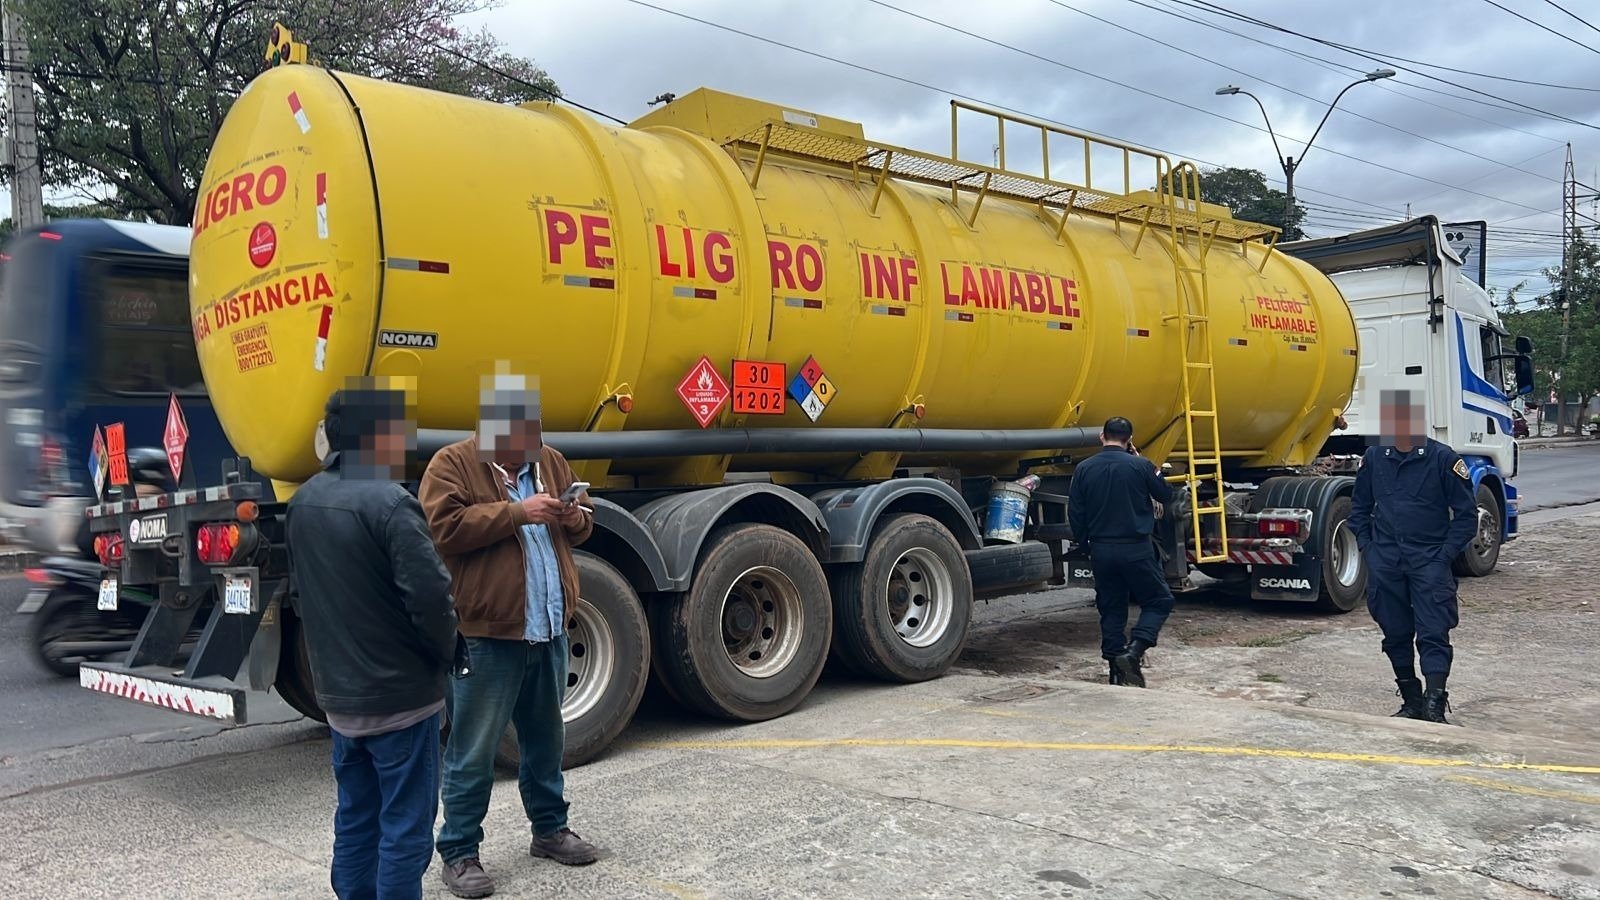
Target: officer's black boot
x=1411, y=699
x=1116, y=674
x=1130, y=663
x=1435, y=702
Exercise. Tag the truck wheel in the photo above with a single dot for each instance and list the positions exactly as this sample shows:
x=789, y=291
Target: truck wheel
x=609, y=642
x=294, y=682
x=902, y=613
x=749, y=638
x=1344, y=572
x=1481, y=556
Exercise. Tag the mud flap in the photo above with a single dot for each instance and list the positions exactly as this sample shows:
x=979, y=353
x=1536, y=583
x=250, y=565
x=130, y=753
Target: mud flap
x=1079, y=573
x=266, y=646
x=1301, y=582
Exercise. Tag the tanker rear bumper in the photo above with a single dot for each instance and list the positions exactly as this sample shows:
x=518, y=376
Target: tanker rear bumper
x=214, y=698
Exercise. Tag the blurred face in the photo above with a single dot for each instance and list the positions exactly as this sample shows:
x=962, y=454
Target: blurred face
x=387, y=450
x=1403, y=420
x=382, y=453
x=509, y=429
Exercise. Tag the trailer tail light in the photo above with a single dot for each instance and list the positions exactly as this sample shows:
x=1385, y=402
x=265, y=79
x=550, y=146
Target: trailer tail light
x=217, y=543
x=1289, y=528
x=52, y=466
x=110, y=549
x=40, y=576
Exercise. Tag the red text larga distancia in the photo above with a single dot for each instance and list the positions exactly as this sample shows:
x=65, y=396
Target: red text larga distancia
x=242, y=193
x=291, y=291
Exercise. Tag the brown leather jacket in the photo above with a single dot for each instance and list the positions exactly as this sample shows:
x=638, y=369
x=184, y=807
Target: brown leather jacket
x=475, y=527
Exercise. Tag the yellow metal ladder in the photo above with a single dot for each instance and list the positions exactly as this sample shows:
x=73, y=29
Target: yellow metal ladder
x=1191, y=240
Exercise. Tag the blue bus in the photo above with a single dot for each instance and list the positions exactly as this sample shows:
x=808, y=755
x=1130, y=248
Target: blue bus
x=94, y=328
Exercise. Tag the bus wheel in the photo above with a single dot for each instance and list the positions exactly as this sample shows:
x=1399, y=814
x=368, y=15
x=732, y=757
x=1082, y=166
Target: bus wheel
x=1481, y=556
x=294, y=683
x=749, y=638
x=1344, y=572
x=902, y=613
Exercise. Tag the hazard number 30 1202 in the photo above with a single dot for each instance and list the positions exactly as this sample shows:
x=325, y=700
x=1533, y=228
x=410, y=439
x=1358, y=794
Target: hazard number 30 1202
x=758, y=387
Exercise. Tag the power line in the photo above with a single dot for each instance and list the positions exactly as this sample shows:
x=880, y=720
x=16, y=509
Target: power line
x=1573, y=16
x=553, y=95
x=1176, y=102
x=1348, y=112
x=1565, y=37
x=1332, y=66
x=1214, y=9
x=933, y=88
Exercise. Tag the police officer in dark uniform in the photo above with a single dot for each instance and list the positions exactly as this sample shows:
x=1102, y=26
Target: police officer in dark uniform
x=1110, y=511
x=1412, y=513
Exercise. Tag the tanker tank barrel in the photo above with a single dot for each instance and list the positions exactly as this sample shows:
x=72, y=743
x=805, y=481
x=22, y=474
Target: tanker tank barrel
x=755, y=441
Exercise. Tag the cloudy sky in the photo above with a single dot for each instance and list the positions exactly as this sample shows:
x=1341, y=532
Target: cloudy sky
x=1462, y=145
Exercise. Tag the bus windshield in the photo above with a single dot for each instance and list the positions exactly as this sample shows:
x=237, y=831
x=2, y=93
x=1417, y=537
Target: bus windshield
x=146, y=346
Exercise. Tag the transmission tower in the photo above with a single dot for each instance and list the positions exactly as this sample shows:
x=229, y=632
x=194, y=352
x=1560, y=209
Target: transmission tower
x=1573, y=192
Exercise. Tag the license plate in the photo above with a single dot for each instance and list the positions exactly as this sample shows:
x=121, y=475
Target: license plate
x=236, y=594
x=108, y=595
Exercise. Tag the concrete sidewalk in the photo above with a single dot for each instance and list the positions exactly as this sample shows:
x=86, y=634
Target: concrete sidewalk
x=964, y=787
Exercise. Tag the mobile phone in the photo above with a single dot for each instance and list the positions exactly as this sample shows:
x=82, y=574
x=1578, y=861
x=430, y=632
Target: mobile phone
x=570, y=495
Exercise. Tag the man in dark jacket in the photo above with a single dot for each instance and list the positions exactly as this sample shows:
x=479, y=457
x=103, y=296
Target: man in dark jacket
x=1412, y=513
x=380, y=629
x=1109, y=508
x=493, y=502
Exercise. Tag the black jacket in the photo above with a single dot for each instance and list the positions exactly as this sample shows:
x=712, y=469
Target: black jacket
x=380, y=624
x=1412, y=505
x=1109, y=499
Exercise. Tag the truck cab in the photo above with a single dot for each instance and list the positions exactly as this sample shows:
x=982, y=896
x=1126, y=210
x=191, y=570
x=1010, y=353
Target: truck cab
x=1424, y=325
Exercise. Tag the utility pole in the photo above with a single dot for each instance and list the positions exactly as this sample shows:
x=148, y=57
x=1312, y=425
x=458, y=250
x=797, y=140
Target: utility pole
x=22, y=135
x=1569, y=226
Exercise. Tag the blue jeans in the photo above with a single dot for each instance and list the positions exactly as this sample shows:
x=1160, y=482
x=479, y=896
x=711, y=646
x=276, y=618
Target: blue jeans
x=388, y=797
x=513, y=682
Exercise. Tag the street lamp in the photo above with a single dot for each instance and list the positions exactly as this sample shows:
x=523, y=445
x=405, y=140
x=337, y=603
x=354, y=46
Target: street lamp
x=1289, y=163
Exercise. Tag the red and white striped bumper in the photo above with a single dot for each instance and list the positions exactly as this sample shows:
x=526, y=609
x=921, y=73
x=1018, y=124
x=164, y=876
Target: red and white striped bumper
x=1254, y=556
x=223, y=703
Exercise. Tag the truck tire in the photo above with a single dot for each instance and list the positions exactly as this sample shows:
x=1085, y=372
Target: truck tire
x=1344, y=572
x=902, y=613
x=294, y=682
x=748, y=640
x=1009, y=567
x=1483, y=554
x=609, y=640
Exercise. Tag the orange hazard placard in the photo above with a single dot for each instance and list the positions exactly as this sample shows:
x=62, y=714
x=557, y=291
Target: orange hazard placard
x=758, y=387
x=117, y=450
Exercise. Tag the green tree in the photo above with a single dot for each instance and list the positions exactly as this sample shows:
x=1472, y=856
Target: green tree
x=1576, y=374
x=131, y=93
x=1245, y=192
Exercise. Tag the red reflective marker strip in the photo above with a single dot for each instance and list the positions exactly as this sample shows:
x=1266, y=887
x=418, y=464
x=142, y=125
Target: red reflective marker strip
x=322, y=188
x=327, y=320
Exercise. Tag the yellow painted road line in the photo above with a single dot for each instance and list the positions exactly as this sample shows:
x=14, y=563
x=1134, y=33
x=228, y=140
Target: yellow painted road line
x=1198, y=749
x=1508, y=787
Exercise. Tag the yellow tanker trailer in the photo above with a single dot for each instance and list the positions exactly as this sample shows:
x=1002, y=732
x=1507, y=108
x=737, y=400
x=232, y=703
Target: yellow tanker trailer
x=794, y=362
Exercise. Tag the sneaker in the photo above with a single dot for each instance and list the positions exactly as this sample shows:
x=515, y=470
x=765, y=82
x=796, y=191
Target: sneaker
x=466, y=878
x=564, y=847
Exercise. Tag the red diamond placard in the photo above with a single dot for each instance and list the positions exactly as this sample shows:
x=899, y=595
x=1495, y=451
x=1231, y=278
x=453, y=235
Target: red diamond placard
x=175, y=438
x=704, y=391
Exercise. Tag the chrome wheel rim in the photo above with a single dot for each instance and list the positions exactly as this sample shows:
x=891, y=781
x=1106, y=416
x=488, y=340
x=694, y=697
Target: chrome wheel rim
x=920, y=597
x=591, y=660
x=1487, y=536
x=1345, y=555
x=762, y=622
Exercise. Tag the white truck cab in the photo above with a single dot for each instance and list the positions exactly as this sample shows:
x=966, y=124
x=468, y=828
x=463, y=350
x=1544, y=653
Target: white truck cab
x=1425, y=326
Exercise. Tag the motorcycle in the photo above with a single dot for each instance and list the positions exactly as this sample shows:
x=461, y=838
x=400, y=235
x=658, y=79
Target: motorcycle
x=68, y=627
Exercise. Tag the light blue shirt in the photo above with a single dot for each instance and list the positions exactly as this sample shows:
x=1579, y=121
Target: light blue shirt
x=546, y=613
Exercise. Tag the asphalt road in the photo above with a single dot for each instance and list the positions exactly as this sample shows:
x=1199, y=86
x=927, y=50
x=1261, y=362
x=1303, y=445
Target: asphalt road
x=1560, y=475
x=39, y=711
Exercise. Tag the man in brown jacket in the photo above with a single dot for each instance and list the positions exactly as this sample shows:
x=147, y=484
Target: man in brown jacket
x=507, y=539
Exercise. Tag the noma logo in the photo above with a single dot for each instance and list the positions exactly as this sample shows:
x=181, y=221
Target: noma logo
x=418, y=340
x=1298, y=584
